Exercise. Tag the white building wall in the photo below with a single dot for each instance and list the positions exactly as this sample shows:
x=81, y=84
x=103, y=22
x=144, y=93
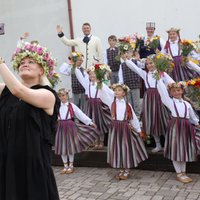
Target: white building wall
x=39, y=18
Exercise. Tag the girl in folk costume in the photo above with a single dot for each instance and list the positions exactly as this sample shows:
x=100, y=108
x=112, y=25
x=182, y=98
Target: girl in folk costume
x=94, y=108
x=72, y=137
x=180, y=142
x=183, y=70
x=78, y=92
x=154, y=113
x=125, y=146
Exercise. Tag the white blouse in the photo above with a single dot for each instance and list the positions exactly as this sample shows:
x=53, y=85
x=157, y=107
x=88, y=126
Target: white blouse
x=77, y=112
x=169, y=102
x=90, y=88
x=107, y=97
x=148, y=75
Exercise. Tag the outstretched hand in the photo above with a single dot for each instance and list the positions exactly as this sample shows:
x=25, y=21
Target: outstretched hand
x=24, y=36
x=59, y=29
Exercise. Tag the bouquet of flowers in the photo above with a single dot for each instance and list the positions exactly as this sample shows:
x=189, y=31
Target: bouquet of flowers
x=186, y=47
x=101, y=70
x=125, y=44
x=154, y=44
x=72, y=59
x=163, y=63
x=54, y=79
x=136, y=40
x=194, y=90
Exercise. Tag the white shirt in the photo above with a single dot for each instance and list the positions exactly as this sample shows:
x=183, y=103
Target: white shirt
x=107, y=97
x=77, y=112
x=169, y=102
x=143, y=74
x=174, y=46
x=175, y=50
x=90, y=88
x=94, y=49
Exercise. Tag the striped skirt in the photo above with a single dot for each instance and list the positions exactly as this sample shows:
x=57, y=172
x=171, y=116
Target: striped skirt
x=73, y=137
x=197, y=138
x=182, y=72
x=99, y=113
x=180, y=141
x=155, y=115
x=125, y=148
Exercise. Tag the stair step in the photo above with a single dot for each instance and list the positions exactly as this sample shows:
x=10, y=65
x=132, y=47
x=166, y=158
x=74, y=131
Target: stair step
x=97, y=158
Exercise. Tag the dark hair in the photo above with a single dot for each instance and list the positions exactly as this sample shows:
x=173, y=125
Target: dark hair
x=86, y=24
x=112, y=37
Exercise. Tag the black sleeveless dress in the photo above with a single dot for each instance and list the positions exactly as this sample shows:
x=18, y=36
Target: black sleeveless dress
x=25, y=149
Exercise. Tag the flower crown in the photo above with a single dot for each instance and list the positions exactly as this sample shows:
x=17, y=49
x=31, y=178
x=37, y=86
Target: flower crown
x=123, y=86
x=180, y=84
x=63, y=91
x=74, y=55
x=41, y=55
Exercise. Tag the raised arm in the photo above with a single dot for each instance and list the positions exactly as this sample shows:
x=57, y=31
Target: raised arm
x=2, y=86
x=40, y=98
x=106, y=95
x=65, y=40
x=193, y=66
x=81, y=116
x=65, y=69
x=120, y=75
x=167, y=79
x=84, y=81
x=166, y=99
x=136, y=69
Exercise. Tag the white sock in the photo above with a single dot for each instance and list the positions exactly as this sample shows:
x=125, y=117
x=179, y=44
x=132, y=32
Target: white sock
x=157, y=140
x=71, y=158
x=183, y=167
x=177, y=166
x=64, y=158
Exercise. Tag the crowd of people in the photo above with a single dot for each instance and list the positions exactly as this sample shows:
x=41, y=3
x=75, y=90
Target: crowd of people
x=31, y=112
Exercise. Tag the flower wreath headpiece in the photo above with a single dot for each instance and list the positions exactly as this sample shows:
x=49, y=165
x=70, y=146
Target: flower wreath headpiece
x=180, y=84
x=123, y=86
x=41, y=55
x=63, y=90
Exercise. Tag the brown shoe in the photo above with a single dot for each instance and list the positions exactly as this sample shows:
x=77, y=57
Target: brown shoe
x=125, y=175
x=119, y=175
x=183, y=178
x=70, y=170
x=188, y=178
x=63, y=171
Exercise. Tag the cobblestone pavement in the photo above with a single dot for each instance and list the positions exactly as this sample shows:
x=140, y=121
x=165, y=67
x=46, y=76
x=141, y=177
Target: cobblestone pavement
x=99, y=183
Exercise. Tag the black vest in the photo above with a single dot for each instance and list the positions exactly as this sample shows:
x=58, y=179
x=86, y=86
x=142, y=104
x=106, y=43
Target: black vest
x=111, y=57
x=145, y=51
x=77, y=88
x=131, y=79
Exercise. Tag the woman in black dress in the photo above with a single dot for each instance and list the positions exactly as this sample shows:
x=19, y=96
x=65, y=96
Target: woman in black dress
x=28, y=114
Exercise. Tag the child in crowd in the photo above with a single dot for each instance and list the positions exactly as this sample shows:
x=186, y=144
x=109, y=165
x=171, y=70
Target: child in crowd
x=154, y=113
x=125, y=146
x=72, y=137
x=173, y=47
x=110, y=58
x=180, y=141
x=95, y=109
x=132, y=80
x=78, y=91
